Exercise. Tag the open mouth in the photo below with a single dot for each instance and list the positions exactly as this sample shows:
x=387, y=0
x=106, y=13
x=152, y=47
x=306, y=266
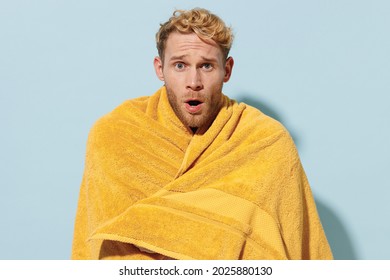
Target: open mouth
x=193, y=103
x=193, y=106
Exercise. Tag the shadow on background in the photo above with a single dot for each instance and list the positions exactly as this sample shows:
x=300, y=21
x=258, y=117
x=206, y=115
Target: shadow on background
x=336, y=233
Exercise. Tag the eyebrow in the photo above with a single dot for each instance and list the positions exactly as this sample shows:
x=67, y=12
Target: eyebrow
x=181, y=57
x=177, y=57
x=209, y=59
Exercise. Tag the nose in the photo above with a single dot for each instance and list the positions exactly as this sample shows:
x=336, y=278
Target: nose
x=194, y=80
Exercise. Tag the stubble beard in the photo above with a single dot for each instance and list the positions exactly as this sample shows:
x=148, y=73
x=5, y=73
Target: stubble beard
x=202, y=120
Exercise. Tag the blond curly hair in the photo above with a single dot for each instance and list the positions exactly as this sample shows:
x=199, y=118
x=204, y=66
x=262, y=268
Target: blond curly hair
x=199, y=21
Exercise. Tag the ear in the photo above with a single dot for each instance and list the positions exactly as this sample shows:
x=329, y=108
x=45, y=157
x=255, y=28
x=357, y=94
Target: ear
x=158, y=67
x=228, y=68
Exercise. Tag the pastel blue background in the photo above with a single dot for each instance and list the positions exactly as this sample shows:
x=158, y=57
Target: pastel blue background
x=322, y=68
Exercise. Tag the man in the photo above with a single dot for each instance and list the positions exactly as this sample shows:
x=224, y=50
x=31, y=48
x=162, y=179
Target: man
x=188, y=173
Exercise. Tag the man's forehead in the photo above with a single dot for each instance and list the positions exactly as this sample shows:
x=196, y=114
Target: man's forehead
x=186, y=56
x=190, y=38
x=180, y=45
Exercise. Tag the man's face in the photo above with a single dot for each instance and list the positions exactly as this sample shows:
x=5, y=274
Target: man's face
x=193, y=71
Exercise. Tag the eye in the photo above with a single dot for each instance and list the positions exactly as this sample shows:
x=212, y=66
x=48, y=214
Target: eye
x=179, y=66
x=207, y=66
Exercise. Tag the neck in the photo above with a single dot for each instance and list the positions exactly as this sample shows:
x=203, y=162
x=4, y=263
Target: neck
x=194, y=129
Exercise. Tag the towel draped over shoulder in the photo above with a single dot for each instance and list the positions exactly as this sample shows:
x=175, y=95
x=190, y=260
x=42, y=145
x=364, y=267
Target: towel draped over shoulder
x=153, y=190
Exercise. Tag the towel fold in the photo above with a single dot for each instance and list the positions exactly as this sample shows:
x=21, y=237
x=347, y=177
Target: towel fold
x=153, y=190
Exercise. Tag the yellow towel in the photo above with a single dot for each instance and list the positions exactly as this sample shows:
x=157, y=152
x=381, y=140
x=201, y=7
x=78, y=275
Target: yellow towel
x=152, y=190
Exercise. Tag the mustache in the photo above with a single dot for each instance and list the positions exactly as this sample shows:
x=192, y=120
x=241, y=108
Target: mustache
x=195, y=96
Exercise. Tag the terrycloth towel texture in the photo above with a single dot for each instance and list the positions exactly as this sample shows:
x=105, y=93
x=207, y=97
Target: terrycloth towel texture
x=152, y=190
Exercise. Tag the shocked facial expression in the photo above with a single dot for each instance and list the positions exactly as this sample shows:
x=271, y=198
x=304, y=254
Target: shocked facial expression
x=193, y=71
